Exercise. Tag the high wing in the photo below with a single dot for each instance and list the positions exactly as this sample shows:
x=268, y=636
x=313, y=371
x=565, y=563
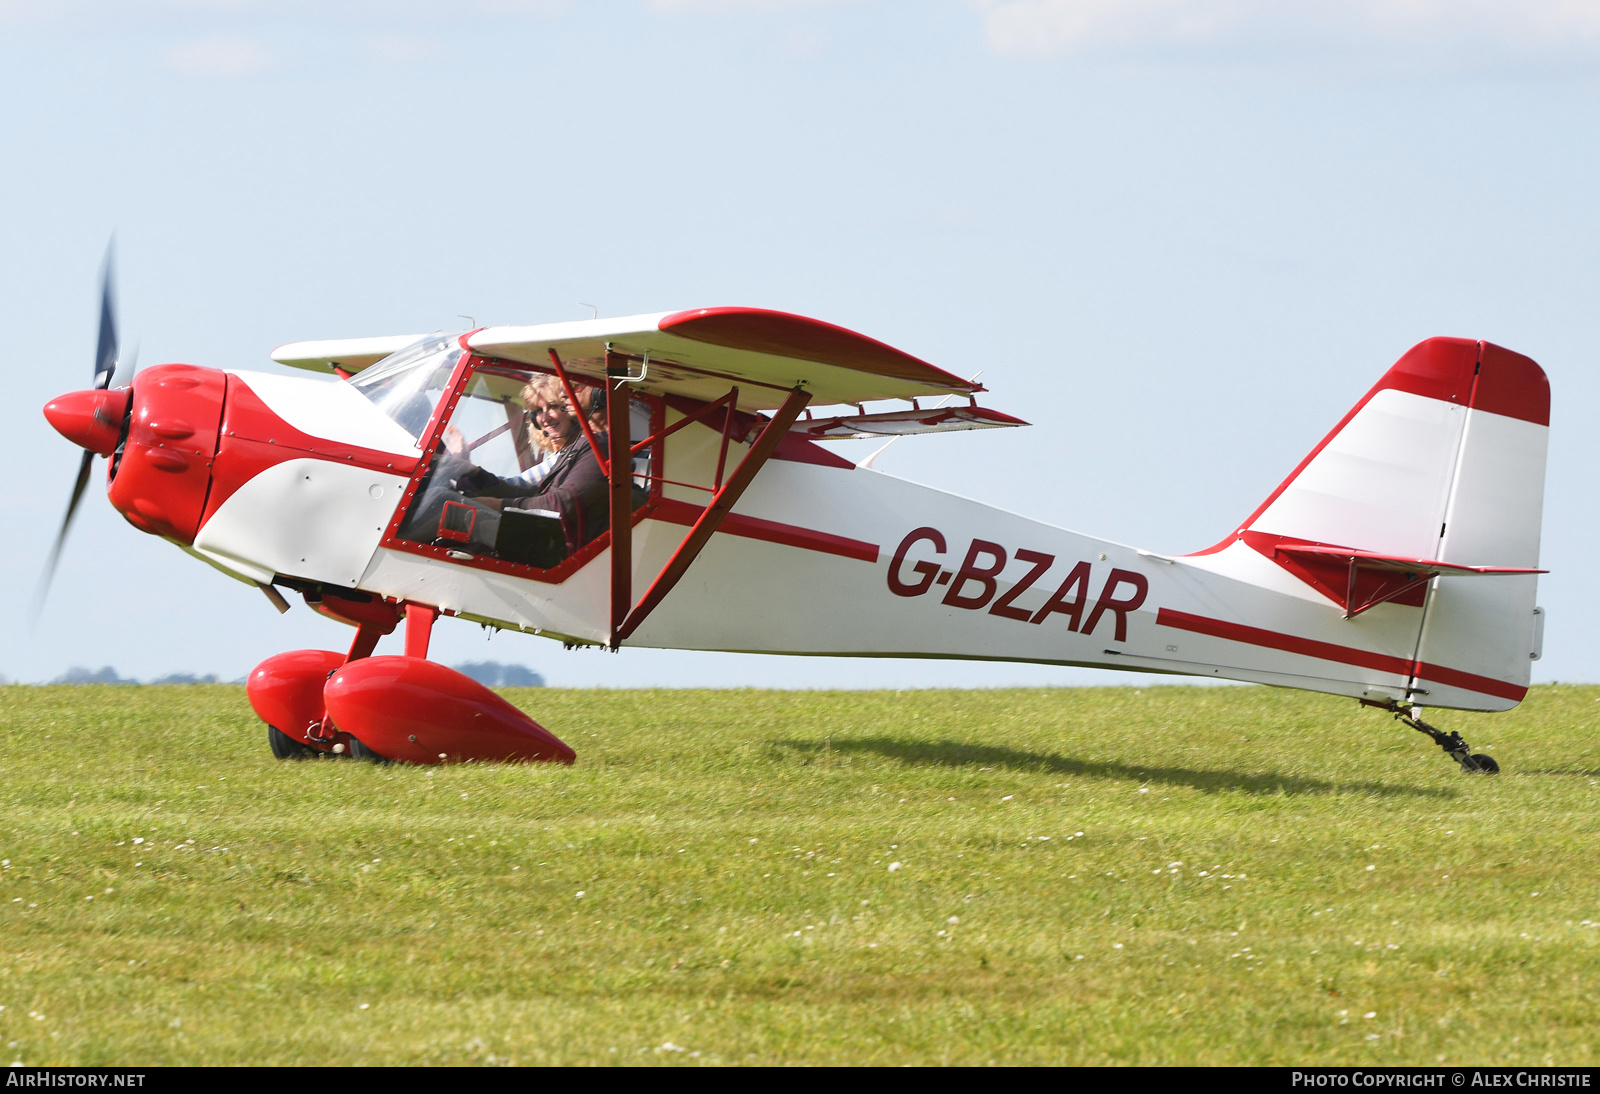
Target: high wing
x=345, y=355
x=699, y=354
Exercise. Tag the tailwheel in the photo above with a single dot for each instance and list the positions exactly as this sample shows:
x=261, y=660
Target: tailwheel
x=285, y=747
x=1458, y=749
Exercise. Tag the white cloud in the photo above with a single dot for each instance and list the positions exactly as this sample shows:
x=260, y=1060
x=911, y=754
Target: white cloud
x=222, y=55
x=1518, y=28
x=804, y=41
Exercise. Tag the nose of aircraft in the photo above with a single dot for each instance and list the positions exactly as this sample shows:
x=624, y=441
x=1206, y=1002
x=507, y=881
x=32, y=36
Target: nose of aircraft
x=90, y=419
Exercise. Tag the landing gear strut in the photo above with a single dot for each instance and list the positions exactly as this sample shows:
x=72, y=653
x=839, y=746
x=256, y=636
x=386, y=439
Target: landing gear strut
x=1459, y=750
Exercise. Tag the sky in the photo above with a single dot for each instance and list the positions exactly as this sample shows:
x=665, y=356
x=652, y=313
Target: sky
x=1181, y=237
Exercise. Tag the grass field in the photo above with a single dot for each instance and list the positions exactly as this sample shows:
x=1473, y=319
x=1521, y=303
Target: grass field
x=1173, y=875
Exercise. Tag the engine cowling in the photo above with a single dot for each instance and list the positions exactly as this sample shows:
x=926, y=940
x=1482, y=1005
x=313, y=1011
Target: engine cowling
x=161, y=437
x=160, y=479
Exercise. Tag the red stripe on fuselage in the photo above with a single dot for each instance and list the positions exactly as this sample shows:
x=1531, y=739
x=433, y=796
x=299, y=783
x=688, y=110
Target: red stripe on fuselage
x=253, y=439
x=1308, y=647
x=771, y=531
x=1469, y=681
x=1344, y=655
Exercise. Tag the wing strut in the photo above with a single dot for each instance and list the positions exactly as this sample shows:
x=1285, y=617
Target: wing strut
x=625, y=622
x=583, y=419
x=620, y=474
x=730, y=400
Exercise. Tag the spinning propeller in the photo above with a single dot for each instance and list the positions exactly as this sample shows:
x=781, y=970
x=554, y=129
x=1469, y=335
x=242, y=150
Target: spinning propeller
x=92, y=418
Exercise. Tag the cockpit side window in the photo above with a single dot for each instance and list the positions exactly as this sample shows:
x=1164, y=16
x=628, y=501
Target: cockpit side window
x=512, y=476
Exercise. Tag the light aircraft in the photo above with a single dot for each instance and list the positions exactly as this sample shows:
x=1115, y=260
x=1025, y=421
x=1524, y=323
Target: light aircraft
x=1397, y=564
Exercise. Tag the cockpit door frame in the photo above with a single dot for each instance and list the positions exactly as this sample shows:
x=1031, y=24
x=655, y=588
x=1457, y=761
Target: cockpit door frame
x=555, y=575
x=626, y=616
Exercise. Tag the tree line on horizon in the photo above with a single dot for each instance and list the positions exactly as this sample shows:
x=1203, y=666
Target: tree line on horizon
x=494, y=674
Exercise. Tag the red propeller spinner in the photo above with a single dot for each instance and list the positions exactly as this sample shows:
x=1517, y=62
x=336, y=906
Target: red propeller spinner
x=90, y=419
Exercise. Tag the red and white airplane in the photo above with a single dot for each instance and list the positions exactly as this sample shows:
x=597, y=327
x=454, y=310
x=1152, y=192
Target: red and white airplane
x=1396, y=564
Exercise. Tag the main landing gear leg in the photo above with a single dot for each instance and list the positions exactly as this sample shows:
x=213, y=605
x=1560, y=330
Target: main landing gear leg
x=1459, y=750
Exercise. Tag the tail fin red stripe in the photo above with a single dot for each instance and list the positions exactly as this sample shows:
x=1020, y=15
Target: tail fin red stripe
x=1513, y=385
x=1470, y=681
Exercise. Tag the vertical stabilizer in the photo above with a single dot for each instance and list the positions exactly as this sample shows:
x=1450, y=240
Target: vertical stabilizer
x=1442, y=462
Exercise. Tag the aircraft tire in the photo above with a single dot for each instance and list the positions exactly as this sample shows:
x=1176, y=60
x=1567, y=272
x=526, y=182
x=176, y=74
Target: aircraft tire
x=1486, y=764
x=360, y=751
x=285, y=747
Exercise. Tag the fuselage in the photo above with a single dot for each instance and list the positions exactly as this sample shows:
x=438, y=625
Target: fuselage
x=302, y=482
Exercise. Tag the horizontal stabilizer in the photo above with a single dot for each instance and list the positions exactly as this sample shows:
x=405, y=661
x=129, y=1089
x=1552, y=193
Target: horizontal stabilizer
x=1359, y=580
x=1367, y=560
x=899, y=423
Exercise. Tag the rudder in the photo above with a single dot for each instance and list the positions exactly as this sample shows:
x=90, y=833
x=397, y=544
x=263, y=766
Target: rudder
x=1478, y=636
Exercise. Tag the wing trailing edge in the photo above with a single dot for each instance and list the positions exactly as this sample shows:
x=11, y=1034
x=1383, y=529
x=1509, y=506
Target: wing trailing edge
x=901, y=423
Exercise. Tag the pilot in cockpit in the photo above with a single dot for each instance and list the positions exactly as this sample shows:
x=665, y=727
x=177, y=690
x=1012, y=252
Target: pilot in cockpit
x=536, y=517
x=568, y=481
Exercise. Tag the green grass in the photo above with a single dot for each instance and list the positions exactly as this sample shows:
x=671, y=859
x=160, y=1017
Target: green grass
x=715, y=874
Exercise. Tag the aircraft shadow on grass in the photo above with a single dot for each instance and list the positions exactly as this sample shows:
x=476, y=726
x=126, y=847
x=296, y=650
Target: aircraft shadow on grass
x=958, y=754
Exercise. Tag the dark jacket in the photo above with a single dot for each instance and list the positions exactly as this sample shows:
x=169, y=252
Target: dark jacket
x=575, y=487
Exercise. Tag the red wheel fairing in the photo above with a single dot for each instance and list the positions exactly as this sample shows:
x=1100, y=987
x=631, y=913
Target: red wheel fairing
x=416, y=711
x=286, y=691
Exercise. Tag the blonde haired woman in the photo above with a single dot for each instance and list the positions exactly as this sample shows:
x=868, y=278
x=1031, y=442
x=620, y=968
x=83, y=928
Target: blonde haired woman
x=542, y=391
x=568, y=480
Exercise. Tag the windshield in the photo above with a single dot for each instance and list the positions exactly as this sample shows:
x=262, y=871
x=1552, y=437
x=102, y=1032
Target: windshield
x=408, y=384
